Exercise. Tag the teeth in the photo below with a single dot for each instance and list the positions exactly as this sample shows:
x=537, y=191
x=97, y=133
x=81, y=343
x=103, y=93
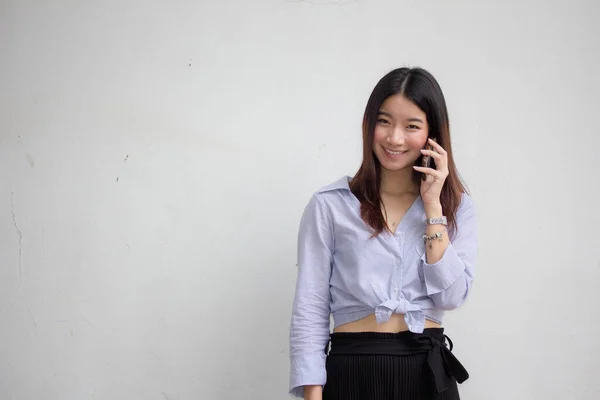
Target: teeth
x=395, y=153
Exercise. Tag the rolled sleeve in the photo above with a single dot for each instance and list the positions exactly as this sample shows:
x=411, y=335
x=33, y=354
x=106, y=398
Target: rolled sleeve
x=441, y=275
x=307, y=370
x=449, y=280
x=309, y=328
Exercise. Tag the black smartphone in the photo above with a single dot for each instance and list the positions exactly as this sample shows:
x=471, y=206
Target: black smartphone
x=426, y=160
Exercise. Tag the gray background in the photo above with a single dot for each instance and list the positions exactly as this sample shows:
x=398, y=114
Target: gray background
x=155, y=158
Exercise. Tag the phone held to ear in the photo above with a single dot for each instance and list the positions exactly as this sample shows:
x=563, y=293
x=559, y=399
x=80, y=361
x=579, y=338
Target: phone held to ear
x=426, y=161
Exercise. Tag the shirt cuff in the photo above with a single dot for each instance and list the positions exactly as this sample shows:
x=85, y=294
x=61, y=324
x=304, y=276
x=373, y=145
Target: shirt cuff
x=307, y=370
x=441, y=275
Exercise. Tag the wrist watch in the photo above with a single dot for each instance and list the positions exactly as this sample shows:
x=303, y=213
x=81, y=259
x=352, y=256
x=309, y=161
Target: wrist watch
x=437, y=221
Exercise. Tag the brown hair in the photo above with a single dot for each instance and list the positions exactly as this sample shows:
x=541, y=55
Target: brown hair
x=420, y=87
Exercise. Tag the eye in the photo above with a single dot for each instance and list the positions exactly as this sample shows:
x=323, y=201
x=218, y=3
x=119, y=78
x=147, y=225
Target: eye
x=382, y=121
x=413, y=127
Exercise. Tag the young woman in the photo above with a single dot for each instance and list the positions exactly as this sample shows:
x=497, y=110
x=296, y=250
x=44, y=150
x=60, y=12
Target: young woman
x=386, y=252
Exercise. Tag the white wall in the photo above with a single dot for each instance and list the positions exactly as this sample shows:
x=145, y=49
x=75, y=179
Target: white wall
x=155, y=159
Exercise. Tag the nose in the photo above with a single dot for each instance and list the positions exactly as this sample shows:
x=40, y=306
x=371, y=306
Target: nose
x=396, y=136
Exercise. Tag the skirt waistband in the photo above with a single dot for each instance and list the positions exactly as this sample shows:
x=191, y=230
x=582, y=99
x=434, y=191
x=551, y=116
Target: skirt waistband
x=442, y=363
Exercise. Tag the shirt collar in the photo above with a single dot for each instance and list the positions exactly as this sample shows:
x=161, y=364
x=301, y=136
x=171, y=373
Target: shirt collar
x=342, y=183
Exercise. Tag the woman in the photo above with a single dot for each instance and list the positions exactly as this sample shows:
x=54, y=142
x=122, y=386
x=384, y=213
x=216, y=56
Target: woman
x=386, y=254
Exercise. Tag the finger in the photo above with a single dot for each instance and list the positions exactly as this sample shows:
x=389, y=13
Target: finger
x=433, y=154
x=441, y=160
x=428, y=171
x=436, y=146
x=438, y=175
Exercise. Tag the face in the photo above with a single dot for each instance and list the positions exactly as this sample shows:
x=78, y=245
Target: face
x=400, y=133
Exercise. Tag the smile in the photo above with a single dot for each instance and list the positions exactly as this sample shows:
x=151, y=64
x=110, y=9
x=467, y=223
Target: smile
x=394, y=153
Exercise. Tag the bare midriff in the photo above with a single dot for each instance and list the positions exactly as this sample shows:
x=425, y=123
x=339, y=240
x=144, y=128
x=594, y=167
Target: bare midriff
x=395, y=324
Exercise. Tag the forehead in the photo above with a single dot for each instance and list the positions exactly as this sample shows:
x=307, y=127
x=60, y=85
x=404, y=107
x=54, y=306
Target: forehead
x=401, y=107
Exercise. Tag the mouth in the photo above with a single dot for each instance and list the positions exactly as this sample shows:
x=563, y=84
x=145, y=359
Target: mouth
x=392, y=153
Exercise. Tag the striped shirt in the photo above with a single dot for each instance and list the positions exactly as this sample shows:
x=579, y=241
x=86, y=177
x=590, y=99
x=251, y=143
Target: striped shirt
x=344, y=273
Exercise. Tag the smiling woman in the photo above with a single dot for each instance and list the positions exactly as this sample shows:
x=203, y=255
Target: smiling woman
x=406, y=107
x=400, y=132
x=386, y=253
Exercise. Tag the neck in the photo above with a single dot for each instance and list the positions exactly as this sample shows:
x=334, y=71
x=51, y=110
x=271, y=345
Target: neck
x=398, y=183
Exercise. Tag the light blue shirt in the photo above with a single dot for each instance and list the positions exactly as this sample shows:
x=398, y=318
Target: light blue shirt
x=345, y=273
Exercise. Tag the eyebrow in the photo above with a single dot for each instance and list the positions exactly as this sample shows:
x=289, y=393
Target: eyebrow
x=390, y=116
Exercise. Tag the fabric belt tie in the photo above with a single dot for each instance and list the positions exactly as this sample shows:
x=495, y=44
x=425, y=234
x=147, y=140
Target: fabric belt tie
x=442, y=363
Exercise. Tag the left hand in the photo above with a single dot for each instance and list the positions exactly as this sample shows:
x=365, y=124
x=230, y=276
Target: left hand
x=431, y=188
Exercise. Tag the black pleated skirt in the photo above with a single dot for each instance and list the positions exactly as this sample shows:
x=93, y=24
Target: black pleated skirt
x=392, y=366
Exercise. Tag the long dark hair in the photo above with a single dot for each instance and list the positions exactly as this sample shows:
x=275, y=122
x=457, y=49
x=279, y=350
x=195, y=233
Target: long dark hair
x=420, y=87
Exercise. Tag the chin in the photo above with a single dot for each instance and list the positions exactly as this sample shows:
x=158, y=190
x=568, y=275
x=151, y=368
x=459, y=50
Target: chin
x=395, y=167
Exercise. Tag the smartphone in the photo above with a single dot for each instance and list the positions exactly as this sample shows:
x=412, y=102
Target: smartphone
x=426, y=160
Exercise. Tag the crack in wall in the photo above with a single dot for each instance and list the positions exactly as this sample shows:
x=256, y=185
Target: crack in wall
x=88, y=321
x=32, y=318
x=12, y=203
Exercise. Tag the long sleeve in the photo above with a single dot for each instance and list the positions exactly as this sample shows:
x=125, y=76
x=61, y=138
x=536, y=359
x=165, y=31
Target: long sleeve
x=449, y=280
x=309, y=329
